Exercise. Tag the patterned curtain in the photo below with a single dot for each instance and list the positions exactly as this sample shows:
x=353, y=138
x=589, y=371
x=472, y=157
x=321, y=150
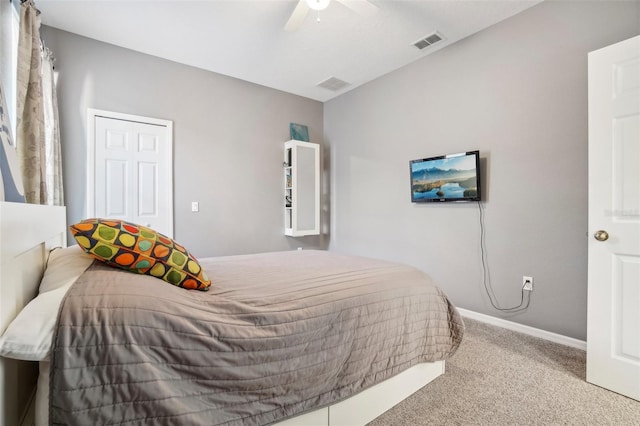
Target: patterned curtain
x=53, y=154
x=30, y=114
x=37, y=133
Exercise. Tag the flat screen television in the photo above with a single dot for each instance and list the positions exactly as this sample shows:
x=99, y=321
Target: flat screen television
x=453, y=177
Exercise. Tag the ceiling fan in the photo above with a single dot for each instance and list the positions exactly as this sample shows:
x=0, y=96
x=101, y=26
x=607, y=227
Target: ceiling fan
x=361, y=7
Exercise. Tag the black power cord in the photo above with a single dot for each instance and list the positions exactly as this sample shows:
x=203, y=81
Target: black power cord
x=485, y=273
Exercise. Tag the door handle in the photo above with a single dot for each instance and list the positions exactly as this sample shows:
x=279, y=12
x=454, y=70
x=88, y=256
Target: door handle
x=601, y=235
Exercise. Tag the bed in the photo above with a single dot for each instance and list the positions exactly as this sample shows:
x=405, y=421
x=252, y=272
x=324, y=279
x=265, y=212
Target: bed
x=290, y=338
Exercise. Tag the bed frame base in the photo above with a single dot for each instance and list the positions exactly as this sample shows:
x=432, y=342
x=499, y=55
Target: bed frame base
x=360, y=409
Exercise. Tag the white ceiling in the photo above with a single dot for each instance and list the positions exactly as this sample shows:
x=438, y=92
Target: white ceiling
x=245, y=38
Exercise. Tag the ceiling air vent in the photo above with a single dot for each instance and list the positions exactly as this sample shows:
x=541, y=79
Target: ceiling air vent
x=428, y=41
x=333, y=84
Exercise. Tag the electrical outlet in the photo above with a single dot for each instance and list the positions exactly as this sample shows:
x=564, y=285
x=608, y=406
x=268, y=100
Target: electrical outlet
x=195, y=206
x=527, y=283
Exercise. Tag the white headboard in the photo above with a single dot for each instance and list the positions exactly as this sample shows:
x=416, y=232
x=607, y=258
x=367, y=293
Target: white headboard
x=27, y=232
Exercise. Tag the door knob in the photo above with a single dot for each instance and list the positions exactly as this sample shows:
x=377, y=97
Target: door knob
x=601, y=235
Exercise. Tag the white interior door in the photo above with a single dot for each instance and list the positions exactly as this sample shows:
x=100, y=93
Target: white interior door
x=131, y=168
x=613, y=336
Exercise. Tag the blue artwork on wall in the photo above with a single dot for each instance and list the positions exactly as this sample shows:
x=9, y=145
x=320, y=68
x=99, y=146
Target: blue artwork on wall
x=299, y=132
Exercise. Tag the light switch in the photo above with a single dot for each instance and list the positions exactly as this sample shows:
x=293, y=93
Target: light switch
x=195, y=206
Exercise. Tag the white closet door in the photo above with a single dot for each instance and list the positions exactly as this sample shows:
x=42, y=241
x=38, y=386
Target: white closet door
x=131, y=167
x=613, y=331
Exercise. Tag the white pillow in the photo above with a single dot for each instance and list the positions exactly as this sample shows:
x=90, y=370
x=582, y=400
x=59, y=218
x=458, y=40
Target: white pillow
x=30, y=334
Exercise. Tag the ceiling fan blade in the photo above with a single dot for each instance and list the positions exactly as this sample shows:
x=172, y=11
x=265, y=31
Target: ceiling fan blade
x=297, y=17
x=361, y=7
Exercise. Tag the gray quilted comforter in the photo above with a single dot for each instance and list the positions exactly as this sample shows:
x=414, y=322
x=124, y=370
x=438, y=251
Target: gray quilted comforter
x=278, y=334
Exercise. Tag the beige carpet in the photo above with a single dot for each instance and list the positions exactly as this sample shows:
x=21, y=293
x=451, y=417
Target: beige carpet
x=500, y=377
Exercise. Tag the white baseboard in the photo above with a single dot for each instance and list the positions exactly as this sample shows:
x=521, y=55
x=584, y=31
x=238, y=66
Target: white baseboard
x=525, y=329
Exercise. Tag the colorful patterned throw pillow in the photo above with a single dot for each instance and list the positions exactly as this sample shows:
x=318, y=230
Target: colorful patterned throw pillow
x=139, y=249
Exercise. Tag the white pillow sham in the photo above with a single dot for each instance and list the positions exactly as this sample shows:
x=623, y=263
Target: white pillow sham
x=64, y=267
x=30, y=334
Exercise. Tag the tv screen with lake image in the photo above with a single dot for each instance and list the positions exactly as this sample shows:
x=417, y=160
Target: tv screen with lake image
x=453, y=177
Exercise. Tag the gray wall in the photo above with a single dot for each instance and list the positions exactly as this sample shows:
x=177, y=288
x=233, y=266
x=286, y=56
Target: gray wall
x=228, y=140
x=518, y=93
